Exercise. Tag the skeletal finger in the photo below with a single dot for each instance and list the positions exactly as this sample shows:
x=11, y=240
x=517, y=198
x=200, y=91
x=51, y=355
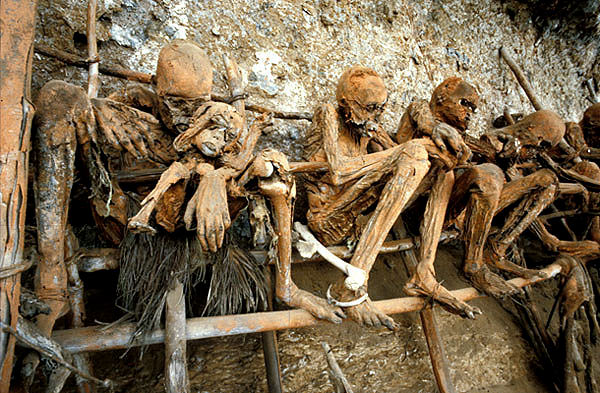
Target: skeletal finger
x=338, y=311
x=211, y=237
x=226, y=219
x=200, y=232
x=439, y=142
x=126, y=143
x=138, y=143
x=190, y=209
x=219, y=231
x=111, y=138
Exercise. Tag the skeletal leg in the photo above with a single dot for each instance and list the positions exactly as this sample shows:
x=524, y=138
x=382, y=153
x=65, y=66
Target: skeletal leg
x=61, y=108
x=280, y=194
x=477, y=191
x=585, y=249
x=409, y=168
x=538, y=190
x=423, y=281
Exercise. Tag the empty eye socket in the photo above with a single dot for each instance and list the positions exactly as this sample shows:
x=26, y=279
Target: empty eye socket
x=545, y=145
x=375, y=107
x=468, y=104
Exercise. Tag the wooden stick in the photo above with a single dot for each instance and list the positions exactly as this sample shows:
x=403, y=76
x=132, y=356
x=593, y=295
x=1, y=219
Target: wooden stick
x=269, y=342
x=124, y=73
x=29, y=335
x=560, y=214
x=522, y=79
x=16, y=113
x=153, y=174
x=106, y=69
x=439, y=363
x=81, y=360
x=176, y=377
x=339, y=380
x=98, y=338
x=93, y=77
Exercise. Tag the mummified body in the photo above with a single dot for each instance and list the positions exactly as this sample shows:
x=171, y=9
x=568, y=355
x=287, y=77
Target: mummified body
x=359, y=179
x=480, y=191
x=122, y=133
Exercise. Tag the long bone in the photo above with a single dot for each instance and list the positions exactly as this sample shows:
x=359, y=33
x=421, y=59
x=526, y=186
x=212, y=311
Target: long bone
x=356, y=276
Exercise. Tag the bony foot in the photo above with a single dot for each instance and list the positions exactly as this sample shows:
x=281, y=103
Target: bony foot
x=493, y=258
x=317, y=306
x=365, y=312
x=434, y=290
x=492, y=284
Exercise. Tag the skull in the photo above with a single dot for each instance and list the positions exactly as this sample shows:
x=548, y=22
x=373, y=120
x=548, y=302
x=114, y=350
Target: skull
x=540, y=130
x=260, y=222
x=183, y=70
x=590, y=125
x=361, y=96
x=214, y=129
x=453, y=102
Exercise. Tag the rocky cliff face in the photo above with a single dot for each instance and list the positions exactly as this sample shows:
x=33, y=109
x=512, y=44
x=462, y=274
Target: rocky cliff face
x=292, y=53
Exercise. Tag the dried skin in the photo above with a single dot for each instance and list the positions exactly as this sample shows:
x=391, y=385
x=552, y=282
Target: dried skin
x=336, y=198
x=590, y=125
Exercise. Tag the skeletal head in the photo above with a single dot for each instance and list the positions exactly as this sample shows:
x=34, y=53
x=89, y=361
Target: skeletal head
x=183, y=70
x=215, y=128
x=590, y=125
x=453, y=102
x=259, y=221
x=361, y=96
x=540, y=130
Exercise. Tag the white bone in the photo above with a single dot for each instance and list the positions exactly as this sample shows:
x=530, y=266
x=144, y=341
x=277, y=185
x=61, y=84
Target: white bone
x=356, y=277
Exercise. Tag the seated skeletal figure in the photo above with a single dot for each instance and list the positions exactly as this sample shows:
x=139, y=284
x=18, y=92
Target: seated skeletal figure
x=581, y=136
x=480, y=191
x=358, y=180
x=111, y=135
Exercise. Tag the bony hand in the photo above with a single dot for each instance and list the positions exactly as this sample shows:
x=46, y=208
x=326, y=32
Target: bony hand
x=444, y=135
x=506, y=145
x=209, y=207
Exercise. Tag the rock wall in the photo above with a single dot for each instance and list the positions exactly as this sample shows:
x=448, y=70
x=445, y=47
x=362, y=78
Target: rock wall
x=292, y=53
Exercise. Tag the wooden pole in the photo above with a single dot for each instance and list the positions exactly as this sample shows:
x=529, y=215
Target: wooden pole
x=98, y=338
x=176, y=376
x=439, y=363
x=269, y=342
x=522, y=79
x=16, y=113
x=93, y=77
x=337, y=377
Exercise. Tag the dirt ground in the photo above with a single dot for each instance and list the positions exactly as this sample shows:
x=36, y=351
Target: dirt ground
x=488, y=354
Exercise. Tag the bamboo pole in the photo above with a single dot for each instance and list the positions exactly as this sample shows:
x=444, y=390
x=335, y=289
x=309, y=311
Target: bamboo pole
x=17, y=21
x=98, y=338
